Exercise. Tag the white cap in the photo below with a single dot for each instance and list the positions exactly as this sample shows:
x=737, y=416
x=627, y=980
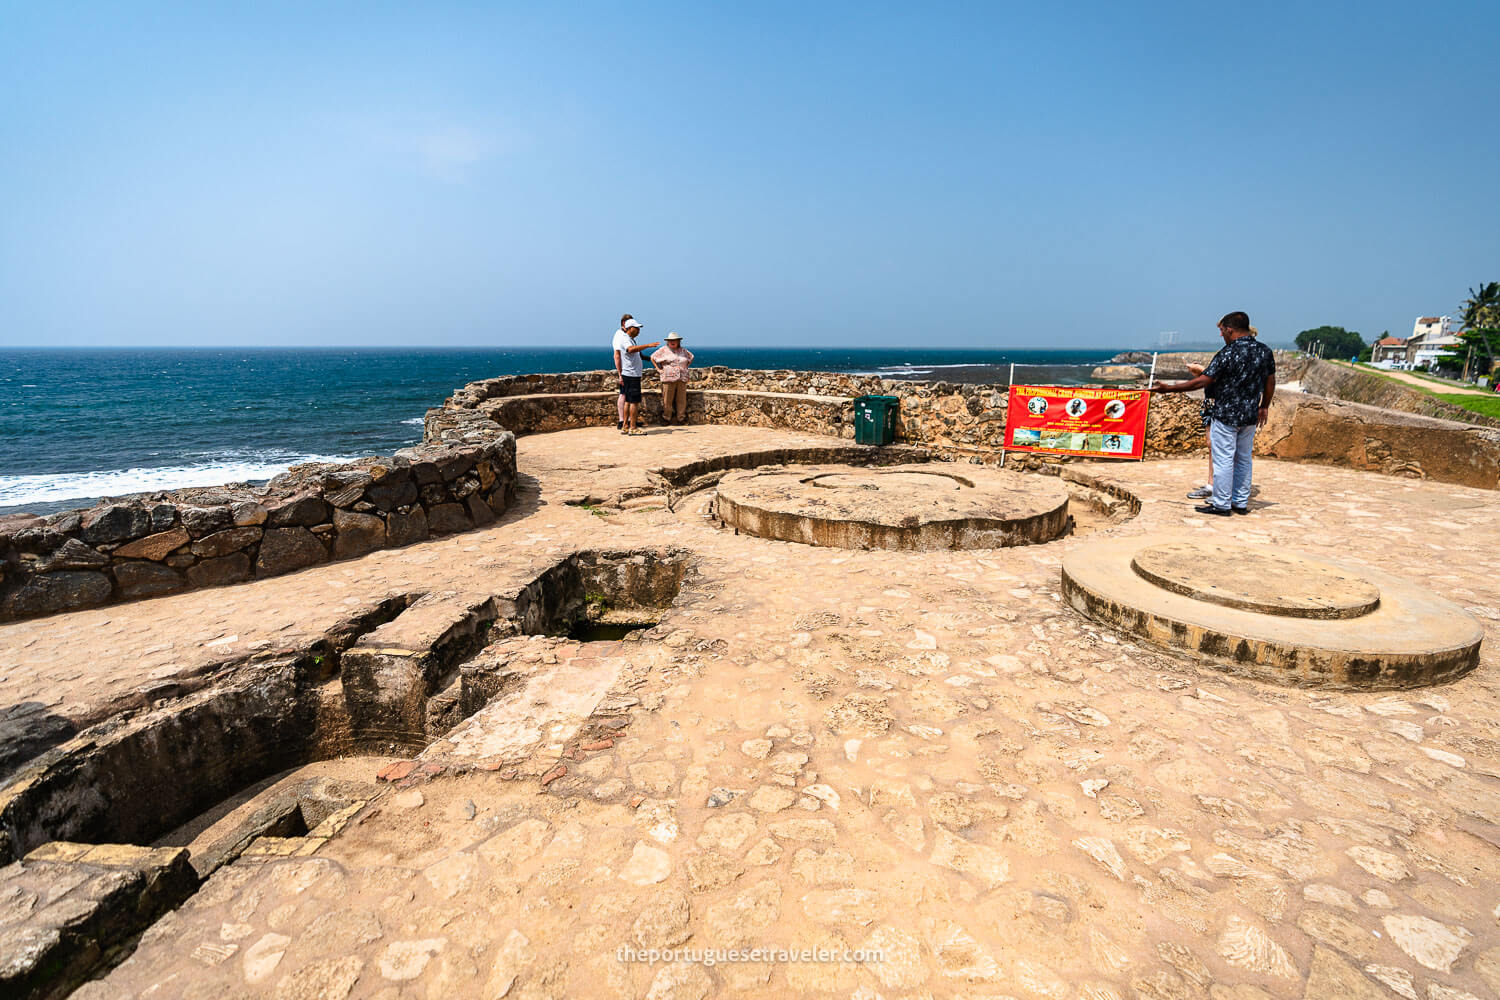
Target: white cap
x=630, y=323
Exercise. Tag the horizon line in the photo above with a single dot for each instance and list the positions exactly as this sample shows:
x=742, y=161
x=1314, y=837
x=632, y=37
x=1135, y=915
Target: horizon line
x=565, y=347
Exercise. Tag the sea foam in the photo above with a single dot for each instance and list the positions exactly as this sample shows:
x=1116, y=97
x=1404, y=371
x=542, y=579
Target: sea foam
x=18, y=491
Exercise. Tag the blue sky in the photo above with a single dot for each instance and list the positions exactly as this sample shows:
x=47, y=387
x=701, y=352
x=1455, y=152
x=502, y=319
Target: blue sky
x=988, y=174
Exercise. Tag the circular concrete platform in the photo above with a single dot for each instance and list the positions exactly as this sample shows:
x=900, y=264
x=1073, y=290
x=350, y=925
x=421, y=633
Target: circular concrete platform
x=1273, y=583
x=1273, y=615
x=911, y=507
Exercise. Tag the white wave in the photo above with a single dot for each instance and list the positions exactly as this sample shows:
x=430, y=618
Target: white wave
x=971, y=364
x=18, y=491
x=413, y=422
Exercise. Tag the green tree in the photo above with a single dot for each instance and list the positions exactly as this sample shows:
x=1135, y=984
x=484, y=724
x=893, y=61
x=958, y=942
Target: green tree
x=1331, y=341
x=1481, y=316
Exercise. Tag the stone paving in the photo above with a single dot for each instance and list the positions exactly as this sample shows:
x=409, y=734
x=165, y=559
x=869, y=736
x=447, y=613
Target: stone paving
x=62, y=673
x=921, y=755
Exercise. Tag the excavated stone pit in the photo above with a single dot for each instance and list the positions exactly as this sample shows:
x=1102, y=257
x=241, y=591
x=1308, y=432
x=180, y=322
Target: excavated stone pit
x=390, y=688
x=223, y=773
x=906, y=507
x=1274, y=615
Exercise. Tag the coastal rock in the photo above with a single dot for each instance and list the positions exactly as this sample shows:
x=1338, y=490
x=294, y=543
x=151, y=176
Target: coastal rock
x=71, y=554
x=1117, y=373
x=68, y=522
x=455, y=464
x=247, y=513
x=48, y=592
x=221, y=543
x=206, y=520
x=447, y=518
x=154, y=547
x=163, y=516
x=286, y=549
x=115, y=523
x=138, y=578
x=357, y=534
x=303, y=510
x=216, y=572
x=12, y=523
x=478, y=510
x=397, y=491
x=406, y=528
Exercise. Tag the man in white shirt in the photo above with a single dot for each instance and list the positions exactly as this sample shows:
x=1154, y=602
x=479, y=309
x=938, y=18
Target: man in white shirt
x=628, y=369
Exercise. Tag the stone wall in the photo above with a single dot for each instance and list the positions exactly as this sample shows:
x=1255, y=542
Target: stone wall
x=1356, y=386
x=161, y=543
x=956, y=420
x=968, y=421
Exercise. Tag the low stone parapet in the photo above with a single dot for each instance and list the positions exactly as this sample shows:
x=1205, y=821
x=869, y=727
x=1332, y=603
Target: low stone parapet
x=952, y=419
x=162, y=543
x=547, y=412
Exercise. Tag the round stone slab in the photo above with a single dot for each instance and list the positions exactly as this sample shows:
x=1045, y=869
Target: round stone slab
x=1273, y=583
x=1410, y=638
x=912, y=507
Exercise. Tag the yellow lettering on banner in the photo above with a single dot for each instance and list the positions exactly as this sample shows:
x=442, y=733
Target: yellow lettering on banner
x=1066, y=391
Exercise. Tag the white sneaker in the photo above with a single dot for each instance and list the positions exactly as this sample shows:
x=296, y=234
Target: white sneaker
x=1201, y=493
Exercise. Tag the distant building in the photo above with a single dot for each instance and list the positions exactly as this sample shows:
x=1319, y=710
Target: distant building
x=1388, y=352
x=1431, y=338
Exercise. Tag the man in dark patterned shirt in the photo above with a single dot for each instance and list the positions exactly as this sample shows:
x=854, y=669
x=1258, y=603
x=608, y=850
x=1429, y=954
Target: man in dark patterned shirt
x=1243, y=376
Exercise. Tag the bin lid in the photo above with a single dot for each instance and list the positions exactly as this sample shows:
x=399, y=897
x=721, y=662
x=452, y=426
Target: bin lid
x=883, y=399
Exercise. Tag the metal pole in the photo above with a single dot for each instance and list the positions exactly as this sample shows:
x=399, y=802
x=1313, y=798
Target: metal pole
x=1151, y=379
x=1008, y=387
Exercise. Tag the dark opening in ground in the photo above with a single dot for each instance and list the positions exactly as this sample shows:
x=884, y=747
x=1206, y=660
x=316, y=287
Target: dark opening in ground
x=606, y=631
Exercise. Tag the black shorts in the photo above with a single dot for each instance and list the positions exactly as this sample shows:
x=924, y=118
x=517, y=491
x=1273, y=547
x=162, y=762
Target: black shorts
x=631, y=387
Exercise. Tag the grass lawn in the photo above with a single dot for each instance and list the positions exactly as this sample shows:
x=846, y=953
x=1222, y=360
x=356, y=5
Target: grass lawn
x=1487, y=405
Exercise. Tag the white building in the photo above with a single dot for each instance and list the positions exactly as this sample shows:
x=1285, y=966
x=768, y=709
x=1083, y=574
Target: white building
x=1431, y=338
x=1388, y=352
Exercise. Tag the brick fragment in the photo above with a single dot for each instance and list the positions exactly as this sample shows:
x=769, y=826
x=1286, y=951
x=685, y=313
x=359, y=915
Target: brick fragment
x=396, y=771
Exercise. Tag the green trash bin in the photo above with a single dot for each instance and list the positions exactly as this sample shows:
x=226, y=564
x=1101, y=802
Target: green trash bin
x=875, y=419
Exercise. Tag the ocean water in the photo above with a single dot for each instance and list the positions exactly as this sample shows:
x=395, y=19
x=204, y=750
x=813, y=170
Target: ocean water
x=79, y=425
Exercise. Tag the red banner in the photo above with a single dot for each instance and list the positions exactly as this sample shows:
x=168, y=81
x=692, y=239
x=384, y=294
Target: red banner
x=1069, y=420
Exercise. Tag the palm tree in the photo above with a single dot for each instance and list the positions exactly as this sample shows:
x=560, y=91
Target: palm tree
x=1481, y=315
x=1486, y=296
